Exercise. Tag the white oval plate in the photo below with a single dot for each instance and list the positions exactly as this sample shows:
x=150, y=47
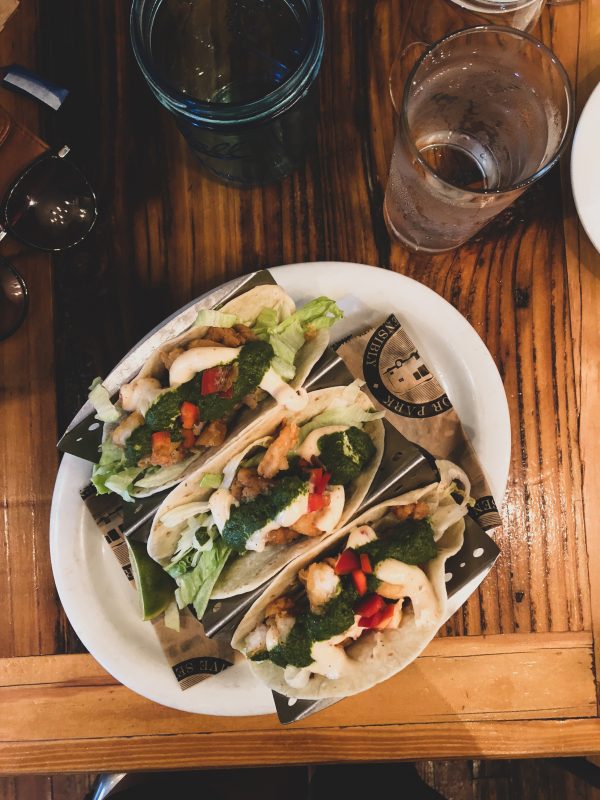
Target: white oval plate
x=101, y=606
x=585, y=168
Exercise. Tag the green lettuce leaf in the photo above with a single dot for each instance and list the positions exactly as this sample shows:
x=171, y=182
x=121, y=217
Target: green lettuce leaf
x=100, y=399
x=178, y=514
x=318, y=313
x=121, y=482
x=216, y=319
x=266, y=320
x=351, y=416
x=287, y=337
x=196, y=585
x=111, y=462
x=211, y=480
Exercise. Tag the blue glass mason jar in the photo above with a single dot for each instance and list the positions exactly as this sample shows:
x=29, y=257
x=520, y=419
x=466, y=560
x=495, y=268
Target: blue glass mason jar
x=239, y=78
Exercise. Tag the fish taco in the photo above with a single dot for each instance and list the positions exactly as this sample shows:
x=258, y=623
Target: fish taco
x=358, y=608
x=187, y=399
x=225, y=532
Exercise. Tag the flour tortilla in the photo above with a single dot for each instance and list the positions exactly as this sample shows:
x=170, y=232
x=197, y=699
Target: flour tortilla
x=247, y=307
x=377, y=655
x=247, y=572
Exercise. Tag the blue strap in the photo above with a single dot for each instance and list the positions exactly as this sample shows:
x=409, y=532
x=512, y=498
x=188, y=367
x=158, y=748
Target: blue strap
x=22, y=80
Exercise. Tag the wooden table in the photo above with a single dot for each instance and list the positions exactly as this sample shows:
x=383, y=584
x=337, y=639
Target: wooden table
x=513, y=672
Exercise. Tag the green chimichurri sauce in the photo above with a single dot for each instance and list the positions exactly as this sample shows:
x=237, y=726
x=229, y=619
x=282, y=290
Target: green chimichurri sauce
x=254, y=360
x=345, y=454
x=247, y=518
x=138, y=445
x=297, y=648
x=337, y=616
x=163, y=414
x=411, y=542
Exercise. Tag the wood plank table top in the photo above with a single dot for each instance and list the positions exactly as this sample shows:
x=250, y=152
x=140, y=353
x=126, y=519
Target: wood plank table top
x=513, y=673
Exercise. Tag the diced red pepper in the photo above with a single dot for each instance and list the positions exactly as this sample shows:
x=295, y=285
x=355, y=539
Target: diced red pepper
x=347, y=563
x=360, y=581
x=214, y=380
x=189, y=439
x=319, y=480
x=384, y=617
x=369, y=605
x=316, y=502
x=190, y=414
x=365, y=563
x=379, y=620
x=315, y=477
x=161, y=444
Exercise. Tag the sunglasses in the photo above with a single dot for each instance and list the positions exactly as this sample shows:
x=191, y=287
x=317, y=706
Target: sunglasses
x=50, y=206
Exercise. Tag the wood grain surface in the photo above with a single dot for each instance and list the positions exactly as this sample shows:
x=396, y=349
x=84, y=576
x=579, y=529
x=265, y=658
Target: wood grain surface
x=166, y=233
x=70, y=697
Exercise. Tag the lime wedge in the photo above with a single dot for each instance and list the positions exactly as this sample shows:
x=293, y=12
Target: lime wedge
x=154, y=587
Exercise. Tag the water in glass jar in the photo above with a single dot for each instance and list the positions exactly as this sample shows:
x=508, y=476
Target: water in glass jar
x=227, y=51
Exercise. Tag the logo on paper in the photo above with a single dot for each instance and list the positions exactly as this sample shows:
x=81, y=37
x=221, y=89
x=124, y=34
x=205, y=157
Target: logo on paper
x=398, y=377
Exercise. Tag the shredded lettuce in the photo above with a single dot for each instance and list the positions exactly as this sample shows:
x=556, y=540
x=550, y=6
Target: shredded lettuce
x=285, y=370
x=217, y=319
x=211, y=480
x=121, y=482
x=111, y=462
x=288, y=336
x=171, y=617
x=287, y=341
x=351, y=416
x=196, y=585
x=266, y=320
x=318, y=313
x=344, y=410
x=100, y=399
x=111, y=453
x=175, y=516
x=198, y=535
x=253, y=461
x=184, y=545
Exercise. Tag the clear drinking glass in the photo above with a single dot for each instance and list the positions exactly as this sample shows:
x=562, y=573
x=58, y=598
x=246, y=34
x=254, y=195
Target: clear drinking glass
x=483, y=114
x=238, y=77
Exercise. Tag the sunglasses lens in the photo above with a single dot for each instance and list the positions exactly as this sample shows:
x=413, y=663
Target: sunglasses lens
x=52, y=206
x=13, y=299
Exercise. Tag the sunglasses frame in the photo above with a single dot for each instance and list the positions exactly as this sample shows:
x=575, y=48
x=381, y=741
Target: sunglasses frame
x=5, y=227
x=6, y=264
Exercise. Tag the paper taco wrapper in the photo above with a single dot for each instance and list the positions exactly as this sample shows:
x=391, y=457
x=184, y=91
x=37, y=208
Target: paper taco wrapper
x=398, y=381
x=245, y=573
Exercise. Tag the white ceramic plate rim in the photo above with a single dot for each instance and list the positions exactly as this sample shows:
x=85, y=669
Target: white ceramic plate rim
x=585, y=168
x=101, y=607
